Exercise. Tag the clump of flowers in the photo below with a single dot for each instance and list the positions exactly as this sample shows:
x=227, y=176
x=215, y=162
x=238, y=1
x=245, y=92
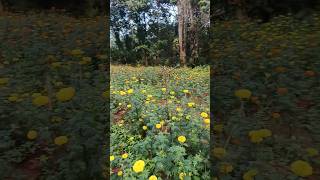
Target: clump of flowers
x=256, y=136
x=138, y=166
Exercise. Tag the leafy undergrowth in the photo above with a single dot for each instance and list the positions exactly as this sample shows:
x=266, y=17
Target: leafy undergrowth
x=160, y=123
x=52, y=81
x=266, y=99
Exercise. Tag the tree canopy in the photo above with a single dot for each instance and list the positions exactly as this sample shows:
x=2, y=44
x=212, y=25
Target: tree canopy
x=146, y=32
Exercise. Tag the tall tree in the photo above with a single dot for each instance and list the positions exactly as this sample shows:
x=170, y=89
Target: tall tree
x=182, y=24
x=193, y=17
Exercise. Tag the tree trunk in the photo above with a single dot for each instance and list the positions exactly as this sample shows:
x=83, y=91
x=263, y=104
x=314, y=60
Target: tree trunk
x=193, y=35
x=182, y=32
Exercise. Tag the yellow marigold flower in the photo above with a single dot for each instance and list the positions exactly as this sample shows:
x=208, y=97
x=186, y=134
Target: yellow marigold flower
x=153, y=177
x=40, y=100
x=32, y=134
x=218, y=128
x=172, y=93
x=204, y=115
x=144, y=127
x=163, y=89
x=158, y=126
x=312, y=152
x=119, y=104
x=226, y=168
x=130, y=91
x=138, y=166
x=122, y=93
x=219, y=152
x=120, y=173
x=129, y=106
x=249, y=175
x=124, y=156
x=149, y=96
x=256, y=139
x=191, y=104
x=182, y=175
x=61, y=140
x=143, y=91
x=264, y=133
x=186, y=91
x=182, y=139
x=179, y=109
x=112, y=158
x=4, y=81
x=243, y=93
x=256, y=136
x=206, y=121
x=65, y=94
x=301, y=168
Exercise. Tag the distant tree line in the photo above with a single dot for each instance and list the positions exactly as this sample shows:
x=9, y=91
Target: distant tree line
x=160, y=32
x=261, y=9
x=73, y=7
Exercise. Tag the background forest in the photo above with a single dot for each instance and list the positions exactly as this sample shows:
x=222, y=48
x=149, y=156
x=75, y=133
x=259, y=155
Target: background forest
x=163, y=32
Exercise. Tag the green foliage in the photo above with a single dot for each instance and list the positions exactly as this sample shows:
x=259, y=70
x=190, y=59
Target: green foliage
x=39, y=57
x=149, y=104
x=278, y=63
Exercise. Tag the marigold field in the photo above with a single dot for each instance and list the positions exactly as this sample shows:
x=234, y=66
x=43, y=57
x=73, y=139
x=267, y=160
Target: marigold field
x=52, y=106
x=54, y=100
x=160, y=123
x=266, y=101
